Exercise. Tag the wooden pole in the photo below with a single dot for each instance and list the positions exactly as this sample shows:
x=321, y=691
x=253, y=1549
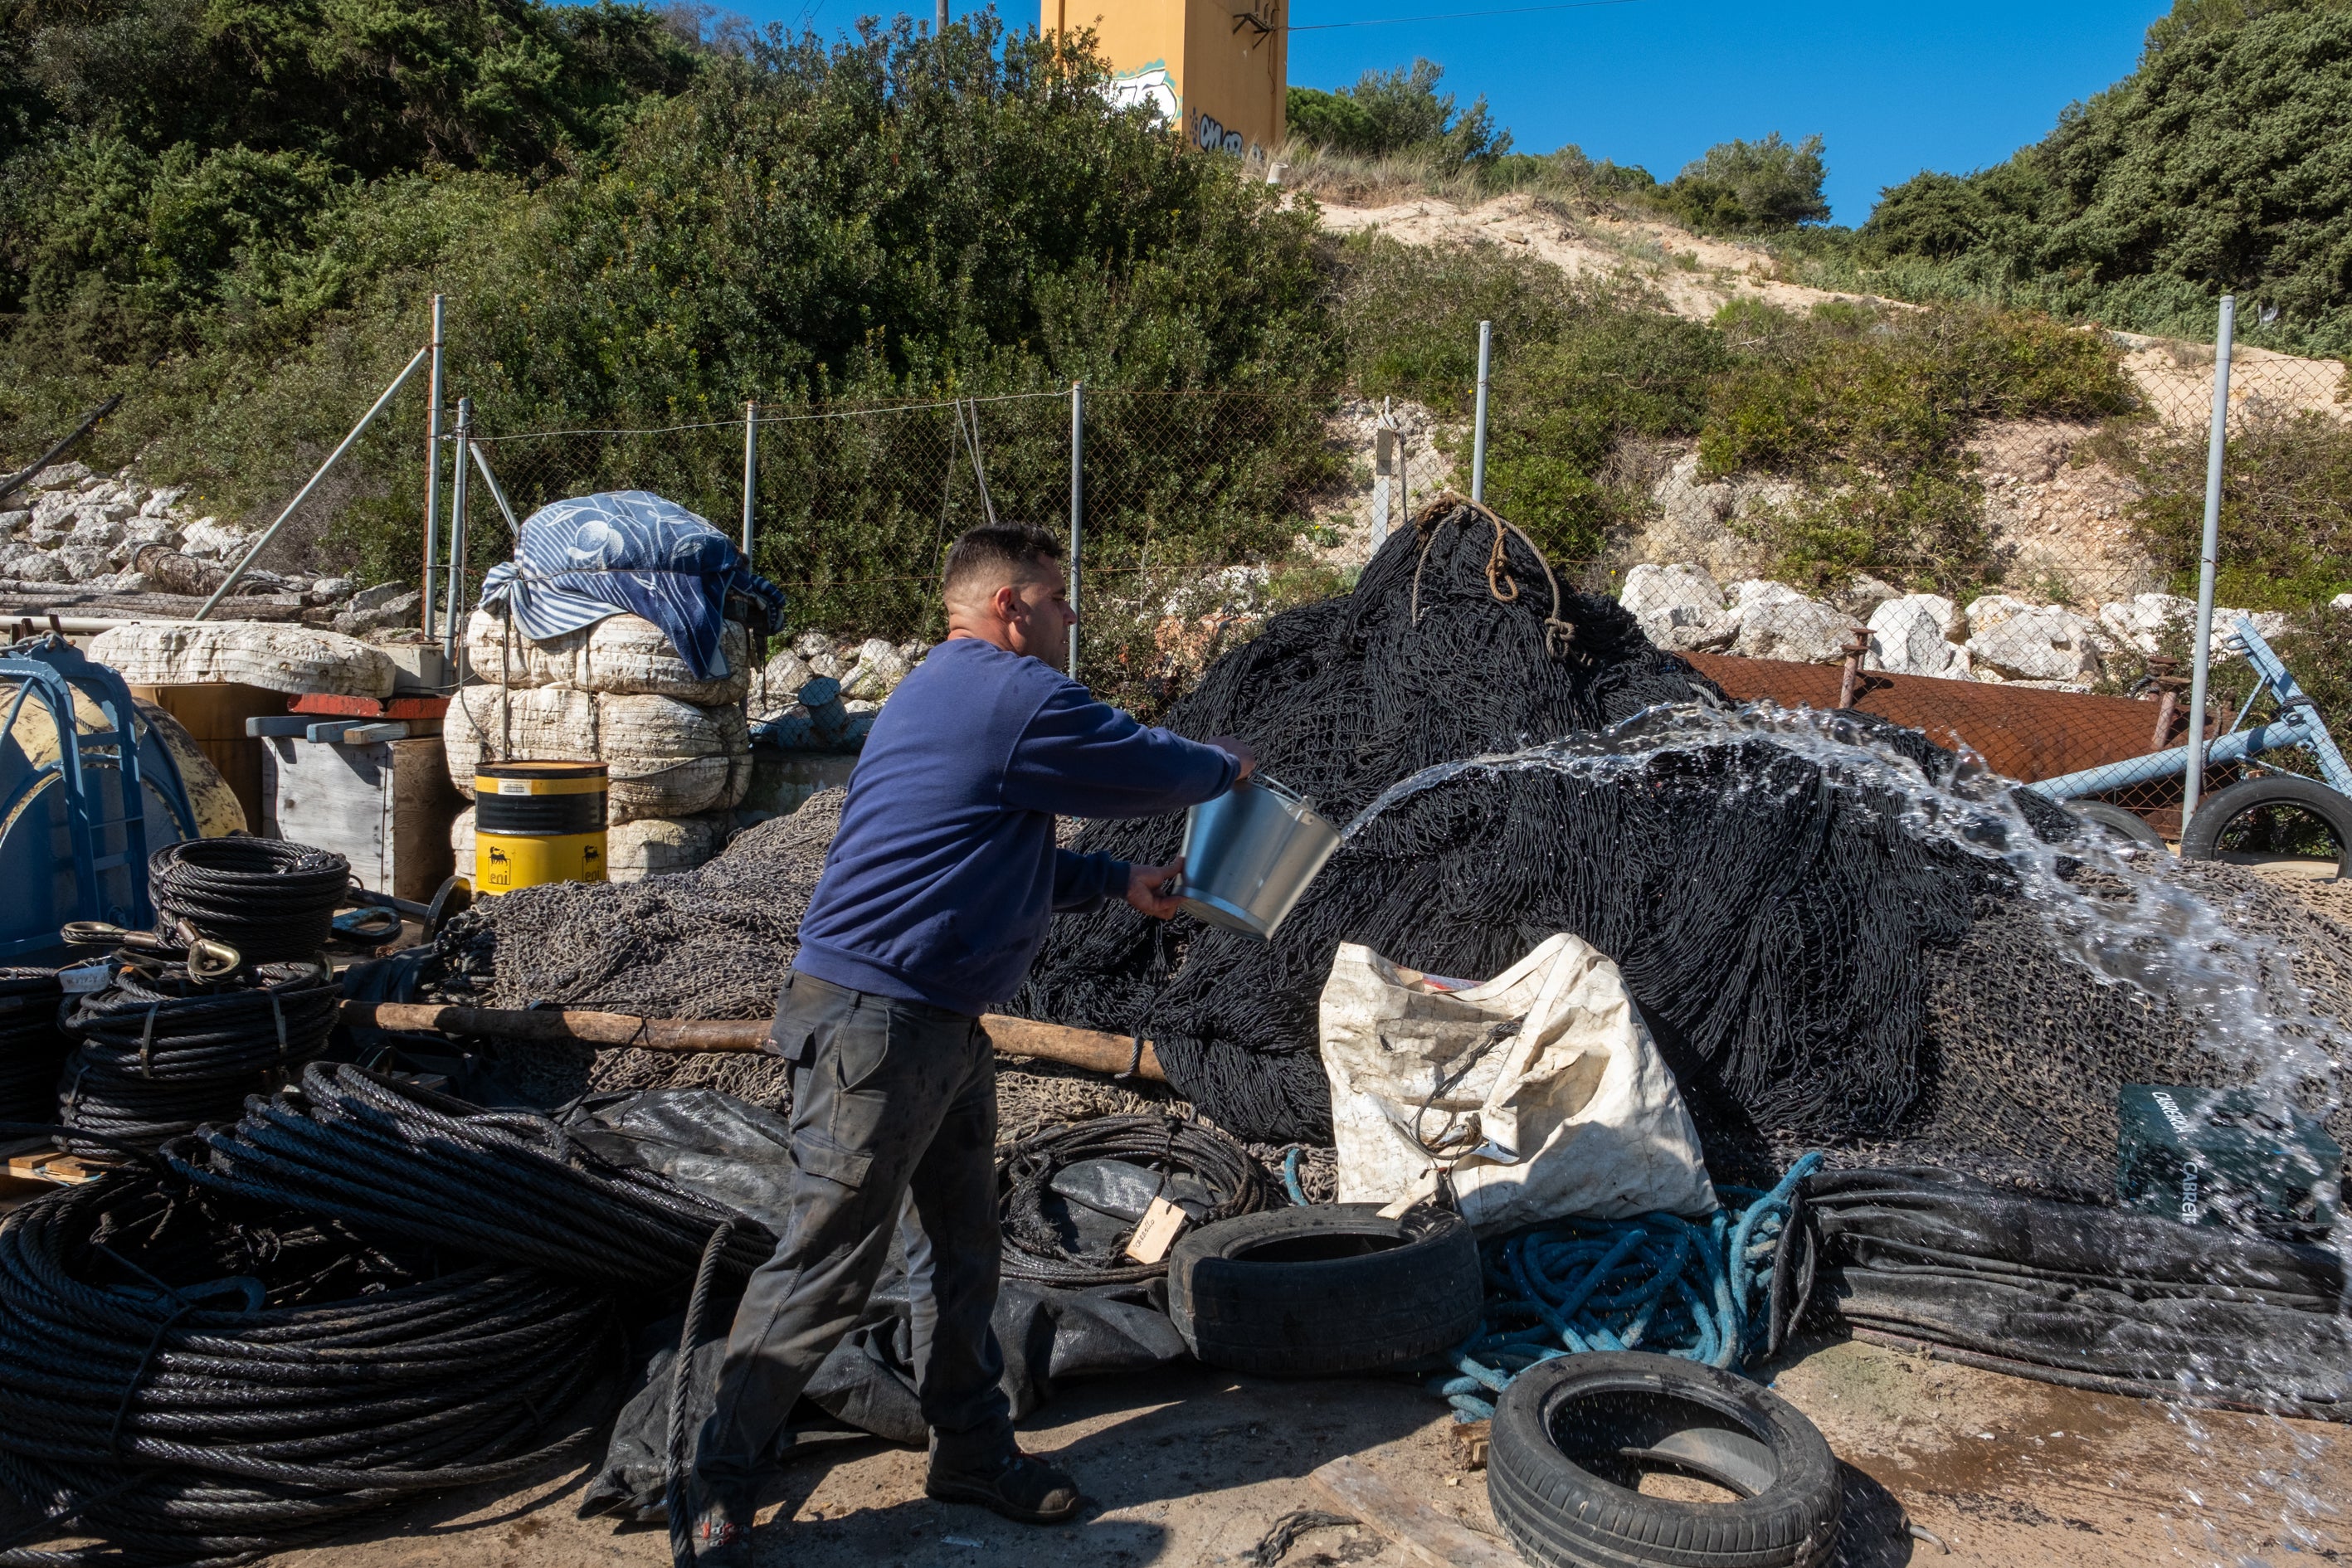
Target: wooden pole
x=1087, y=1048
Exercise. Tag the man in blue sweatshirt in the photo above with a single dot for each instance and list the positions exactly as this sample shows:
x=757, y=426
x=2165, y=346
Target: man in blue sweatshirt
x=934, y=899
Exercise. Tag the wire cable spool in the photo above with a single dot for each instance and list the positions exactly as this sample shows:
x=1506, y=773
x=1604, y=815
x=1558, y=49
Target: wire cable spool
x=189, y=1380
x=1036, y=1248
x=272, y=900
x=510, y=1186
x=158, y=1053
x=31, y=1048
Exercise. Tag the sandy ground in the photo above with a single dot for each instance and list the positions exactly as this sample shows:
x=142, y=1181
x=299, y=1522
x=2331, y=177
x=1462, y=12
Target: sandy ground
x=1189, y=1467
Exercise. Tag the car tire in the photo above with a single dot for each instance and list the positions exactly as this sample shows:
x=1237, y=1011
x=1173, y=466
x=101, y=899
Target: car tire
x=2115, y=819
x=1326, y=1290
x=1570, y=1434
x=2201, y=839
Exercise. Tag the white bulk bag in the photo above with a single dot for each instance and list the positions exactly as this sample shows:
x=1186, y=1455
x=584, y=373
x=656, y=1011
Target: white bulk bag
x=1540, y=1092
x=667, y=758
x=622, y=655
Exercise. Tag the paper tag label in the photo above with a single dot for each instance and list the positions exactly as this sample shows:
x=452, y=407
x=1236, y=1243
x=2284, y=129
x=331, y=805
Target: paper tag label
x=514, y=787
x=83, y=978
x=1156, y=1232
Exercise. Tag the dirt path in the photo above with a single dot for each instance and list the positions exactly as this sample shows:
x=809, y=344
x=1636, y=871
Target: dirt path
x=1188, y=1468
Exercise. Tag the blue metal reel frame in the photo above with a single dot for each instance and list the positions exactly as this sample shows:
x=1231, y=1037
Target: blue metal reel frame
x=53, y=669
x=2298, y=724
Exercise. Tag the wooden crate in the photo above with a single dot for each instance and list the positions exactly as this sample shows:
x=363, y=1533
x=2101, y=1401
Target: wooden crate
x=385, y=806
x=213, y=716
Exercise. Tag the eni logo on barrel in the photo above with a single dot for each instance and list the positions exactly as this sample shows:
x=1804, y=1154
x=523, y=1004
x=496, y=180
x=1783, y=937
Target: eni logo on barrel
x=539, y=822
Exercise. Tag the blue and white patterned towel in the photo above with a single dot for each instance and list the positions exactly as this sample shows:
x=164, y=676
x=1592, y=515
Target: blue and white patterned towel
x=628, y=551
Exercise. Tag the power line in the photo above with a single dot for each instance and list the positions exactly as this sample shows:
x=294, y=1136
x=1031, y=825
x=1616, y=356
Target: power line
x=1461, y=15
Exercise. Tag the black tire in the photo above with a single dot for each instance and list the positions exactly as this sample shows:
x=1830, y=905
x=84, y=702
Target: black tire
x=1329, y=1288
x=2217, y=812
x=2115, y=819
x=1570, y=1435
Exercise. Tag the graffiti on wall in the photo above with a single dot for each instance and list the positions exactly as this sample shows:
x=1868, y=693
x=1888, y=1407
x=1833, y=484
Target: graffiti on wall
x=1210, y=134
x=1151, y=88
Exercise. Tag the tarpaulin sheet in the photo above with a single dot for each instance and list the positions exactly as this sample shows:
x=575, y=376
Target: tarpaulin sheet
x=2079, y=1294
x=741, y=1155
x=579, y=561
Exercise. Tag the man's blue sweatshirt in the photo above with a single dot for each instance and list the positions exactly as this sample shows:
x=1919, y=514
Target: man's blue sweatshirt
x=944, y=873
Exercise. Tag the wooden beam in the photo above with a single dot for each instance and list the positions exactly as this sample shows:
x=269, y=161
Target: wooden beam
x=1012, y=1036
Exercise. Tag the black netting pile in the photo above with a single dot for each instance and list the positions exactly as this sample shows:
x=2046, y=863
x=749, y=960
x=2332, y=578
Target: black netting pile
x=1767, y=917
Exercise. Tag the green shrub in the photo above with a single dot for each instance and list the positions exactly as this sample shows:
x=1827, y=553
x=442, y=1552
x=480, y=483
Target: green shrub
x=2286, y=509
x=1871, y=415
x=1750, y=187
x=1409, y=314
x=1397, y=112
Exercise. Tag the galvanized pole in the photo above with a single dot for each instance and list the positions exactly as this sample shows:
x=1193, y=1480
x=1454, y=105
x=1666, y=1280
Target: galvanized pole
x=1478, y=440
x=431, y=465
x=2216, y=445
x=1077, y=501
x=457, y=531
x=943, y=16
x=751, y=470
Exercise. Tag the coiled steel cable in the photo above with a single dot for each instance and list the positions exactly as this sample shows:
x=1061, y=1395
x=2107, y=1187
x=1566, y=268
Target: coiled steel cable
x=31, y=1048
x=272, y=900
x=398, y=1161
x=157, y=1052
x=1033, y=1248
x=187, y=1381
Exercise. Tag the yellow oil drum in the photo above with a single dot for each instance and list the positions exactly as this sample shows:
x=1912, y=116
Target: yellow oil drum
x=537, y=822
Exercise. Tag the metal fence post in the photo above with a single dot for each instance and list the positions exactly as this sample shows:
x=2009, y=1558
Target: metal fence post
x=431, y=465
x=751, y=470
x=1078, y=502
x=2217, y=443
x=1478, y=440
x=457, y=531
x=1384, y=445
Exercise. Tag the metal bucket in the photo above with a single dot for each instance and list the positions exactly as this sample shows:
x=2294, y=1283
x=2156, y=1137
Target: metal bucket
x=1249, y=855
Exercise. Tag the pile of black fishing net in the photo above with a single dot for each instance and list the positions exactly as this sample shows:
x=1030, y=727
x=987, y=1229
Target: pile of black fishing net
x=1812, y=960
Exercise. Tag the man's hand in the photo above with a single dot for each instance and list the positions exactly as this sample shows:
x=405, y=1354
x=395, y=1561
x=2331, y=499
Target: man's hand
x=1241, y=751
x=1143, y=885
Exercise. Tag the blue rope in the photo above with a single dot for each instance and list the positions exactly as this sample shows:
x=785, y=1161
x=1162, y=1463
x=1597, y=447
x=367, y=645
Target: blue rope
x=1698, y=1289
x=1291, y=1179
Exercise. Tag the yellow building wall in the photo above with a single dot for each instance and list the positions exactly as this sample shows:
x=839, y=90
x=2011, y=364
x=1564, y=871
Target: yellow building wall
x=1217, y=69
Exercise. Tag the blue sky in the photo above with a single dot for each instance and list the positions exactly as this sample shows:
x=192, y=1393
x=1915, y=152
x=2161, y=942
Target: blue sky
x=1894, y=86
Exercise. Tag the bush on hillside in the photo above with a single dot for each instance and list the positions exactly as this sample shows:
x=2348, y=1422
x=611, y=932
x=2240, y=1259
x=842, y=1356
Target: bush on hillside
x=2286, y=509
x=1388, y=113
x=2216, y=167
x=1750, y=187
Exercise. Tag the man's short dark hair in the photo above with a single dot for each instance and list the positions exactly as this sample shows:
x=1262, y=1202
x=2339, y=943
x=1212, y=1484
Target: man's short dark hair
x=998, y=550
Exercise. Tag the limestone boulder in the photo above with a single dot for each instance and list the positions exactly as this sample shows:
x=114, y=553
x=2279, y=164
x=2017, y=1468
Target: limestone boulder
x=207, y=538
x=879, y=669
x=777, y=684
x=1794, y=628
x=42, y=566
x=1680, y=606
x=2039, y=642
x=403, y=606
x=83, y=561
x=1912, y=634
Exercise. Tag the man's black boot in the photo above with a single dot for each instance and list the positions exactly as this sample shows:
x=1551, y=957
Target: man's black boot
x=1013, y=1484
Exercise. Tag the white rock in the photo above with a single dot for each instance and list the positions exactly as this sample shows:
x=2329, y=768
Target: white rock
x=1865, y=594
x=150, y=531
x=2039, y=642
x=1751, y=591
x=825, y=663
x=380, y=595
x=10, y=522
x=808, y=645
x=879, y=669
x=1794, y=628
x=1991, y=609
x=913, y=652
x=58, y=477
x=401, y=609
x=51, y=529
x=859, y=705
x=161, y=502
x=1680, y=606
x=334, y=587
x=96, y=533
x=207, y=538
x=777, y=682
x=2143, y=621
x=83, y=561
x=43, y=567
x=15, y=552
x=1910, y=634
x=47, y=508
x=2341, y=602
x=119, y=583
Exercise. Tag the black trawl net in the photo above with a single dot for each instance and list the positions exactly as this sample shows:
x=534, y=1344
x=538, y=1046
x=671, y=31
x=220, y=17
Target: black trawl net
x=1767, y=914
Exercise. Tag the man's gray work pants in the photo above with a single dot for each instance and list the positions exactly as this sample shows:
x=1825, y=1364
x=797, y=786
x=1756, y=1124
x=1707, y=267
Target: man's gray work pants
x=891, y=1099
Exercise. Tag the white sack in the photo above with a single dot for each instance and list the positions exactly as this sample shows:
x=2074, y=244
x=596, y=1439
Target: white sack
x=276, y=658
x=667, y=758
x=651, y=846
x=623, y=655
x=1544, y=1094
